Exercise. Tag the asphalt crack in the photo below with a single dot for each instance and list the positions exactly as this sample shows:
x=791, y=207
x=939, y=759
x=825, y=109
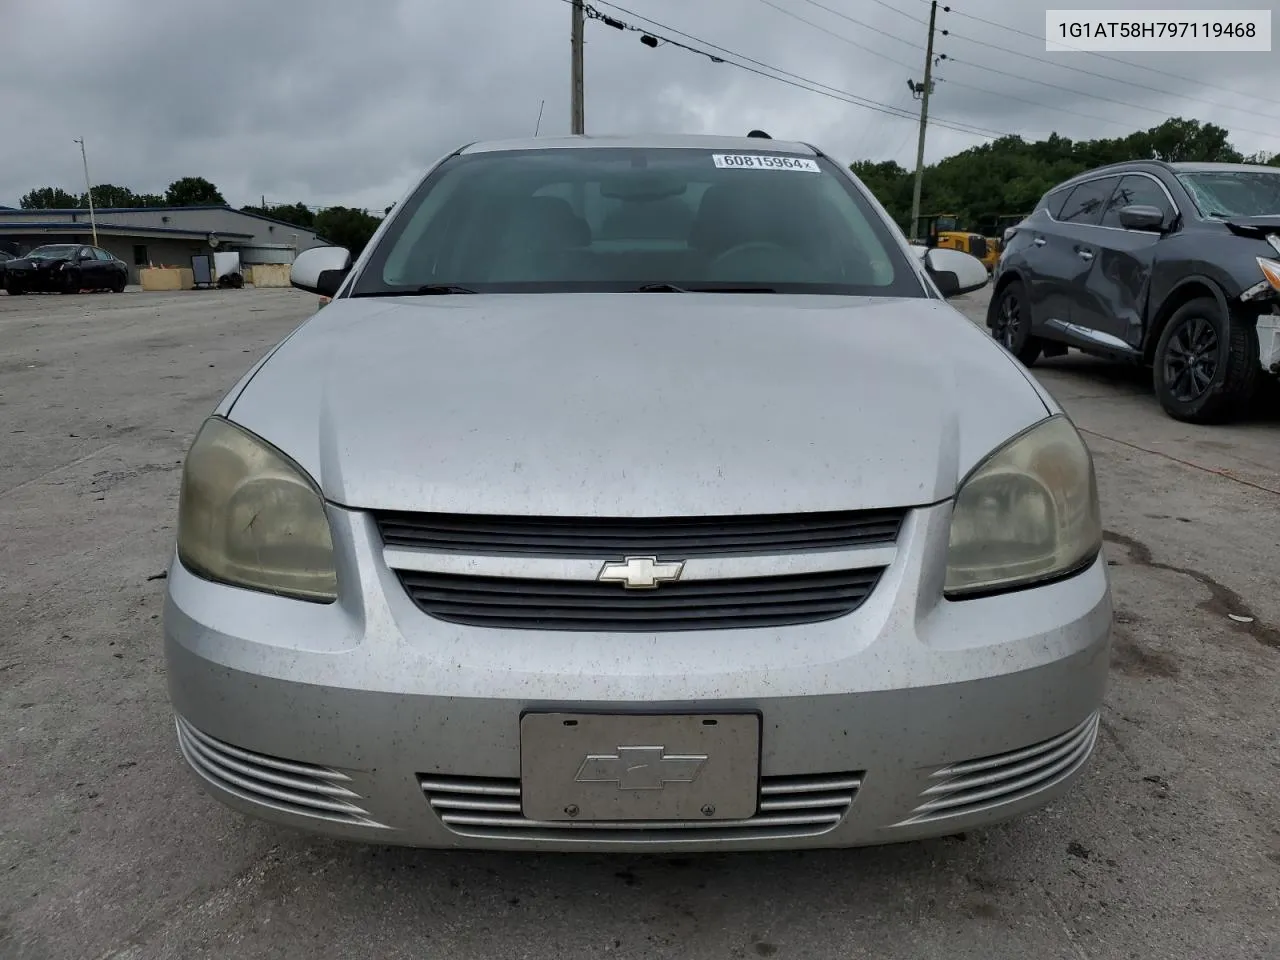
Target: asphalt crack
x=1223, y=601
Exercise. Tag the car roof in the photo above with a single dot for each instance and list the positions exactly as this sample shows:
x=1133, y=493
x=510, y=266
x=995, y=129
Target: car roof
x=655, y=142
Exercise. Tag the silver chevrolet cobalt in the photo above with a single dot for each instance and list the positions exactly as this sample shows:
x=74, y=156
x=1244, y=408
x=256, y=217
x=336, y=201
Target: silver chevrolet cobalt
x=637, y=494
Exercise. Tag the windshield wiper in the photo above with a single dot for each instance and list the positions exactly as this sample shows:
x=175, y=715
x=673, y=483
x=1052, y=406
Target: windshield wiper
x=672, y=288
x=426, y=290
x=659, y=288
x=743, y=289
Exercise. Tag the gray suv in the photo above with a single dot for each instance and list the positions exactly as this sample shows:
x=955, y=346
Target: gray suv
x=1171, y=265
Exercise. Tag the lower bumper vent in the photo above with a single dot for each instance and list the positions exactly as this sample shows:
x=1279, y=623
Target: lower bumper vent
x=790, y=807
x=978, y=785
x=298, y=788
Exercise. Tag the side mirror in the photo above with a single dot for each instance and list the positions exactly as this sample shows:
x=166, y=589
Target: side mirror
x=321, y=270
x=955, y=272
x=1142, y=217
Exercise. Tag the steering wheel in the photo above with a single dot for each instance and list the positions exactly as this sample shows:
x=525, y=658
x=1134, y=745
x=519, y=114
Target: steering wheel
x=746, y=247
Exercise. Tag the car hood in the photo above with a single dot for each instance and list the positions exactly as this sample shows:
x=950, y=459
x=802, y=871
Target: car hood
x=637, y=404
x=26, y=263
x=1257, y=227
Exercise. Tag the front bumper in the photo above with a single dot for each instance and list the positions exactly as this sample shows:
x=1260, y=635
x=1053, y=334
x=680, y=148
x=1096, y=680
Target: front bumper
x=369, y=720
x=39, y=280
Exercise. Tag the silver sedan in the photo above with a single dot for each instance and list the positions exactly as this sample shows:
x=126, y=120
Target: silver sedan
x=638, y=494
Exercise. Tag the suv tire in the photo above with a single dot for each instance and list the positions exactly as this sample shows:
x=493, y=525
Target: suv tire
x=1206, y=363
x=1013, y=324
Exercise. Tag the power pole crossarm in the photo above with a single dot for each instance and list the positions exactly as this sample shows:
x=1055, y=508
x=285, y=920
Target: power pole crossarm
x=576, y=108
x=924, y=120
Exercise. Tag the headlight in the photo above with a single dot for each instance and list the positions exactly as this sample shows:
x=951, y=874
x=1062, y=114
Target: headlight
x=251, y=517
x=1027, y=513
x=1271, y=270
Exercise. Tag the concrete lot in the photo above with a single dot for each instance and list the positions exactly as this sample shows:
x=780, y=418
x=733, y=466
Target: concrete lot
x=1170, y=848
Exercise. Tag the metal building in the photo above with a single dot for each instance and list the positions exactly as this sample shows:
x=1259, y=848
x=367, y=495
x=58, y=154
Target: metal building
x=160, y=236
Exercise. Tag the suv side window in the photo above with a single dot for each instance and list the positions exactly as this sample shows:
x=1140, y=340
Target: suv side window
x=1087, y=200
x=1135, y=190
x=1053, y=201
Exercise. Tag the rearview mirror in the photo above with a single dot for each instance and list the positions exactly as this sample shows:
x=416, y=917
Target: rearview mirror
x=321, y=270
x=955, y=272
x=1139, y=216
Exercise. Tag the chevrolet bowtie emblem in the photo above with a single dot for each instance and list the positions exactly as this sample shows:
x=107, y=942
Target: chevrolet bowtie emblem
x=640, y=768
x=640, y=573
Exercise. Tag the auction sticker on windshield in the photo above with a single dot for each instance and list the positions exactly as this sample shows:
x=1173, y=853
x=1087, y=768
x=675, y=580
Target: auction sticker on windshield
x=751, y=161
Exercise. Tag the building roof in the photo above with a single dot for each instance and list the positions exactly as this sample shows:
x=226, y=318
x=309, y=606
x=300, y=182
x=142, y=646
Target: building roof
x=223, y=206
x=19, y=227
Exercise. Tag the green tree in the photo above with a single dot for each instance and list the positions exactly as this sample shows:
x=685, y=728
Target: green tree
x=299, y=214
x=51, y=198
x=193, y=192
x=1009, y=175
x=109, y=195
x=347, y=227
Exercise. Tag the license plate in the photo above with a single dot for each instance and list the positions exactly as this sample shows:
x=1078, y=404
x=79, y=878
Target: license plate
x=588, y=767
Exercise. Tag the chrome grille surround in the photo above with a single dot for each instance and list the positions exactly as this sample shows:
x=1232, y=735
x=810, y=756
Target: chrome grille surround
x=740, y=572
x=664, y=537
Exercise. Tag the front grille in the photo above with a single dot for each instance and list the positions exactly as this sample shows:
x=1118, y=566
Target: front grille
x=526, y=604
x=790, y=807
x=978, y=246
x=679, y=538
x=978, y=785
x=298, y=788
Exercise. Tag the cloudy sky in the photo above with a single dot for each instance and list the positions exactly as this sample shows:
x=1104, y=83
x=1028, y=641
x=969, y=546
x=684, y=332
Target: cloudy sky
x=346, y=101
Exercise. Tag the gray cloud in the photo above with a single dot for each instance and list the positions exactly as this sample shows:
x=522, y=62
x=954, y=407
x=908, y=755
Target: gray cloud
x=328, y=101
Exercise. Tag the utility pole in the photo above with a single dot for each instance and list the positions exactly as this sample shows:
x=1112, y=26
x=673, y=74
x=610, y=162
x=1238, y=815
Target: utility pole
x=576, y=112
x=924, y=120
x=93, y=222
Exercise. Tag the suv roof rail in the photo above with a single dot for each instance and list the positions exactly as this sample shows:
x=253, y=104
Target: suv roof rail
x=1141, y=161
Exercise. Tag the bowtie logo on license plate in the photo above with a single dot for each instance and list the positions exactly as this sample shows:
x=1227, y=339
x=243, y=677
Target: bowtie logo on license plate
x=640, y=768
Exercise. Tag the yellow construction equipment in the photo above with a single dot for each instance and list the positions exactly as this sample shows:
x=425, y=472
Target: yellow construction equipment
x=943, y=230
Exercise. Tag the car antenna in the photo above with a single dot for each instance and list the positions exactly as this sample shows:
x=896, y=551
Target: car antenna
x=759, y=134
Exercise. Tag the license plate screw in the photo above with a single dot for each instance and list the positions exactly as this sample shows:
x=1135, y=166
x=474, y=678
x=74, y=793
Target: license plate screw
x=708, y=810
x=571, y=809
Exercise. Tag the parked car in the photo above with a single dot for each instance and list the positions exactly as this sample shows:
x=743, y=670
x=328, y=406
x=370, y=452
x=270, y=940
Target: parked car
x=5, y=257
x=1173, y=265
x=677, y=539
x=65, y=268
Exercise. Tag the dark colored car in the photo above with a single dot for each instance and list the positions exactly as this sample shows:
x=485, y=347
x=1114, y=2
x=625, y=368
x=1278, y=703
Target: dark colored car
x=65, y=268
x=5, y=257
x=1172, y=265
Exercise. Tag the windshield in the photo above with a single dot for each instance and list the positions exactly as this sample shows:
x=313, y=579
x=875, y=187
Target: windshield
x=618, y=219
x=54, y=252
x=1235, y=194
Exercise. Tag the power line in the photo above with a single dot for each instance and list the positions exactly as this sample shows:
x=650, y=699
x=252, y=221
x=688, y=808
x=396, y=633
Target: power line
x=1103, y=76
x=866, y=26
x=1066, y=66
x=838, y=36
x=889, y=6
x=1103, y=56
x=779, y=75
x=957, y=83
x=1093, y=96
